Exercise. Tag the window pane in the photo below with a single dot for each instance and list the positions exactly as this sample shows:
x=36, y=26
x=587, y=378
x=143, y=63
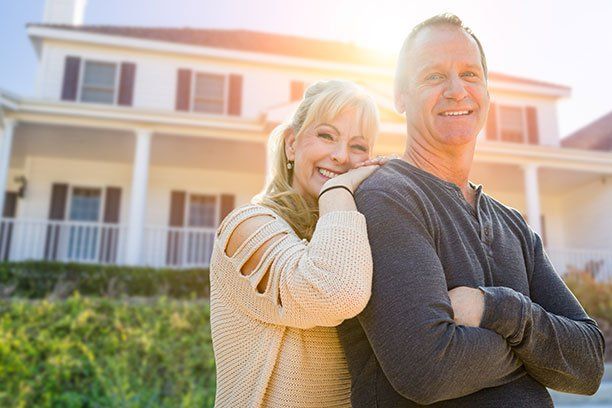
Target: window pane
x=202, y=211
x=97, y=95
x=85, y=204
x=511, y=124
x=209, y=93
x=208, y=106
x=99, y=74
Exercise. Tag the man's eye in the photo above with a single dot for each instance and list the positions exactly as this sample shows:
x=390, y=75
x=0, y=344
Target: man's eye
x=469, y=74
x=434, y=77
x=326, y=136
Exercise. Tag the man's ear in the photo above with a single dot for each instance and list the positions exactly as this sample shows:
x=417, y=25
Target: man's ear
x=290, y=145
x=398, y=100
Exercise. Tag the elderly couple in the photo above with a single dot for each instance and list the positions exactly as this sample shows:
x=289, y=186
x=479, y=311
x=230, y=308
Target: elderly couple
x=446, y=298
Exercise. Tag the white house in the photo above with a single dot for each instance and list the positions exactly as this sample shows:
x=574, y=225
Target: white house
x=139, y=140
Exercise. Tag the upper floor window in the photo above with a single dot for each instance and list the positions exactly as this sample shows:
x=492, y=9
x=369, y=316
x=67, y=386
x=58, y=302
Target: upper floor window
x=99, y=82
x=516, y=124
x=512, y=124
x=209, y=93
x=102, y=82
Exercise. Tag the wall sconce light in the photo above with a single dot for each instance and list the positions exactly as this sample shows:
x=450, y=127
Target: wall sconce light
x=23, y=184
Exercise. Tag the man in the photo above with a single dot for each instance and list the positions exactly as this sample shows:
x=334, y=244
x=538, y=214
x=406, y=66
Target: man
x=509, y=327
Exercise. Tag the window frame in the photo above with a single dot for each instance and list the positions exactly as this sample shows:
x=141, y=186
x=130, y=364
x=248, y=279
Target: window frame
x=187, y=209
x=524, y=129
x=117, y=79
x=224, y=102
x=69, y=202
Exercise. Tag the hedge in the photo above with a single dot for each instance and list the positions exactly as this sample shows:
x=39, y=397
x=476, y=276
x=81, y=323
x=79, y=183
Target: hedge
x=101, y=352
x=40, y=279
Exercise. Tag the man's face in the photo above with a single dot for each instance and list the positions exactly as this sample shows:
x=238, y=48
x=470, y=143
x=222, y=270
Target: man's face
x=446, y=98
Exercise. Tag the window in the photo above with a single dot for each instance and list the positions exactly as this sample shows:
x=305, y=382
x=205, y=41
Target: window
x=99, y=82
x=85, y=205
x=511, y=124
x=209, y=93
x=202, y=211
x=202, y=220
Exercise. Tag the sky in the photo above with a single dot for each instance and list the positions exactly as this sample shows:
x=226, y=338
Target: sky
x=560, y=41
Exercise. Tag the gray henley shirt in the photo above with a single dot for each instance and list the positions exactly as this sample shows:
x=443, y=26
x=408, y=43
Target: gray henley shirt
x=405, y=349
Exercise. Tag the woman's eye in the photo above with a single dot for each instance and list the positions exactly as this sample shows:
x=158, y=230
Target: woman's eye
x=326, y=136
x=360, y=147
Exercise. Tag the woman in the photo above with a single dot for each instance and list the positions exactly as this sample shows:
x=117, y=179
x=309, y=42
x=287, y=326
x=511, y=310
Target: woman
x=286, y=270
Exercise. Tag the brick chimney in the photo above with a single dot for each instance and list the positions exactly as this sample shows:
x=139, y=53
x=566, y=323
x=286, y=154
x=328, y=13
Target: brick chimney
x=69, y=12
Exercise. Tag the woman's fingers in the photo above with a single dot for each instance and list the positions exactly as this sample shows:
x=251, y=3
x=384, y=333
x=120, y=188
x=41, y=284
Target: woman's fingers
x=378, y=160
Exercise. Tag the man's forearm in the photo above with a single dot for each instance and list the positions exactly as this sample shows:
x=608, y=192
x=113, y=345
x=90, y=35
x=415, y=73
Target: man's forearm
x=561, y=353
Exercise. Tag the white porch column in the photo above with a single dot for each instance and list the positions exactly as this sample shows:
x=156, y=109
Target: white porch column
x=532, y=197
x=6, y=143
x=138, y=197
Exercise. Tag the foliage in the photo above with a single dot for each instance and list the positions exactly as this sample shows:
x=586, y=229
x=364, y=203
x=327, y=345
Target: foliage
x=92, y=352
x=595, y=295
x=40, y=279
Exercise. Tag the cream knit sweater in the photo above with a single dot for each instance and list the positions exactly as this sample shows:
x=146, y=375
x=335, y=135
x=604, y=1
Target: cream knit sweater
x=279, y=348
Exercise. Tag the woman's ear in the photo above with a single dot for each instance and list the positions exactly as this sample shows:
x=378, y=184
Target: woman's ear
x=290, y=145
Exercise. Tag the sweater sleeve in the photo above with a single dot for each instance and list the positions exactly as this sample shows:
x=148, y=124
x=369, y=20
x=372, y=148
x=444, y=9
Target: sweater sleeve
x=409, y=320
x=560, y=346
x=316, y=283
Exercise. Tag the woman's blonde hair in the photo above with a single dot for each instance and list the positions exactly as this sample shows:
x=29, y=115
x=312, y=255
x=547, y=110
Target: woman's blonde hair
x=323, y=101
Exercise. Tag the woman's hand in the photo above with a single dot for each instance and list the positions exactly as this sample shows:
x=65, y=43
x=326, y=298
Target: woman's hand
x=351, y=178
x=468, y=305
x=378, y=160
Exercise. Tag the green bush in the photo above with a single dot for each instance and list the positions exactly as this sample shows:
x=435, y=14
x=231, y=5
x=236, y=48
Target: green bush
x=39, y=279
x=93, y=352
x=596, y=297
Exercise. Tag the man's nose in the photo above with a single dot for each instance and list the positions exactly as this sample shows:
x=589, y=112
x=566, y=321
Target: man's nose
x=455, y=89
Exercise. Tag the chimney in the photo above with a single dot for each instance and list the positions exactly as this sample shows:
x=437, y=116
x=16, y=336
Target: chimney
x=69, y=12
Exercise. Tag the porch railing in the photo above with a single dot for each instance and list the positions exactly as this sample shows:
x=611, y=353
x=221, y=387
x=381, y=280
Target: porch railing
x=597, y=263
x=180, y=247
x=177, y=247
x=65, y=241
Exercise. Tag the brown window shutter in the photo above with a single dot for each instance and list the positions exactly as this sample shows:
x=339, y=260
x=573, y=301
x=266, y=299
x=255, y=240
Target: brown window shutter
x=297, y=90
x=110, y=233
x=57, y=210
x=177, y=219
x=492, y=122
x=71, y=78
x=126, y=83
x=234, y=106
x=10, y=204
x=183, y=89
x=533, y=135
x=228, y=203
x=6, y=228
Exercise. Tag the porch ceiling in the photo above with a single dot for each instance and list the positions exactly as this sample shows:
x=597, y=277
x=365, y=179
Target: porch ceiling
x=510, y=178
x=93, y=144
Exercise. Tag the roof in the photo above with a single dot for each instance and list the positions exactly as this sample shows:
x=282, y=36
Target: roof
x=243, y=40
x=595, y=136
x=268, y=43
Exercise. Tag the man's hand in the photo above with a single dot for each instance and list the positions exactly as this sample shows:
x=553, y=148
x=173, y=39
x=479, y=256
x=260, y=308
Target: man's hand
x=468, y=305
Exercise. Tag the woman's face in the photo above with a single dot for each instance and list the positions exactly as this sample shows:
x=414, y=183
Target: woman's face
x=325, y=150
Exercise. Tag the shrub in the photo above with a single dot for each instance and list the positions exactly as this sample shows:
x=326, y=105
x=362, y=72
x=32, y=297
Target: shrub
x=39, y=279
x=596, y=298
x=92, y=352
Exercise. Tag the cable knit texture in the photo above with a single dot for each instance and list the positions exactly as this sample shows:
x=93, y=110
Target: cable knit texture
x=280, y=348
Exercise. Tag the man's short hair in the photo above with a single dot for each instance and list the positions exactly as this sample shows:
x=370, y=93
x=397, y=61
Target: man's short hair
x=438, y=20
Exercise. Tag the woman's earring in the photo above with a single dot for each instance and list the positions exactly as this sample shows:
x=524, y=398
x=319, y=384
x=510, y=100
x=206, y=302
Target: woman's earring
x=290, y=165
